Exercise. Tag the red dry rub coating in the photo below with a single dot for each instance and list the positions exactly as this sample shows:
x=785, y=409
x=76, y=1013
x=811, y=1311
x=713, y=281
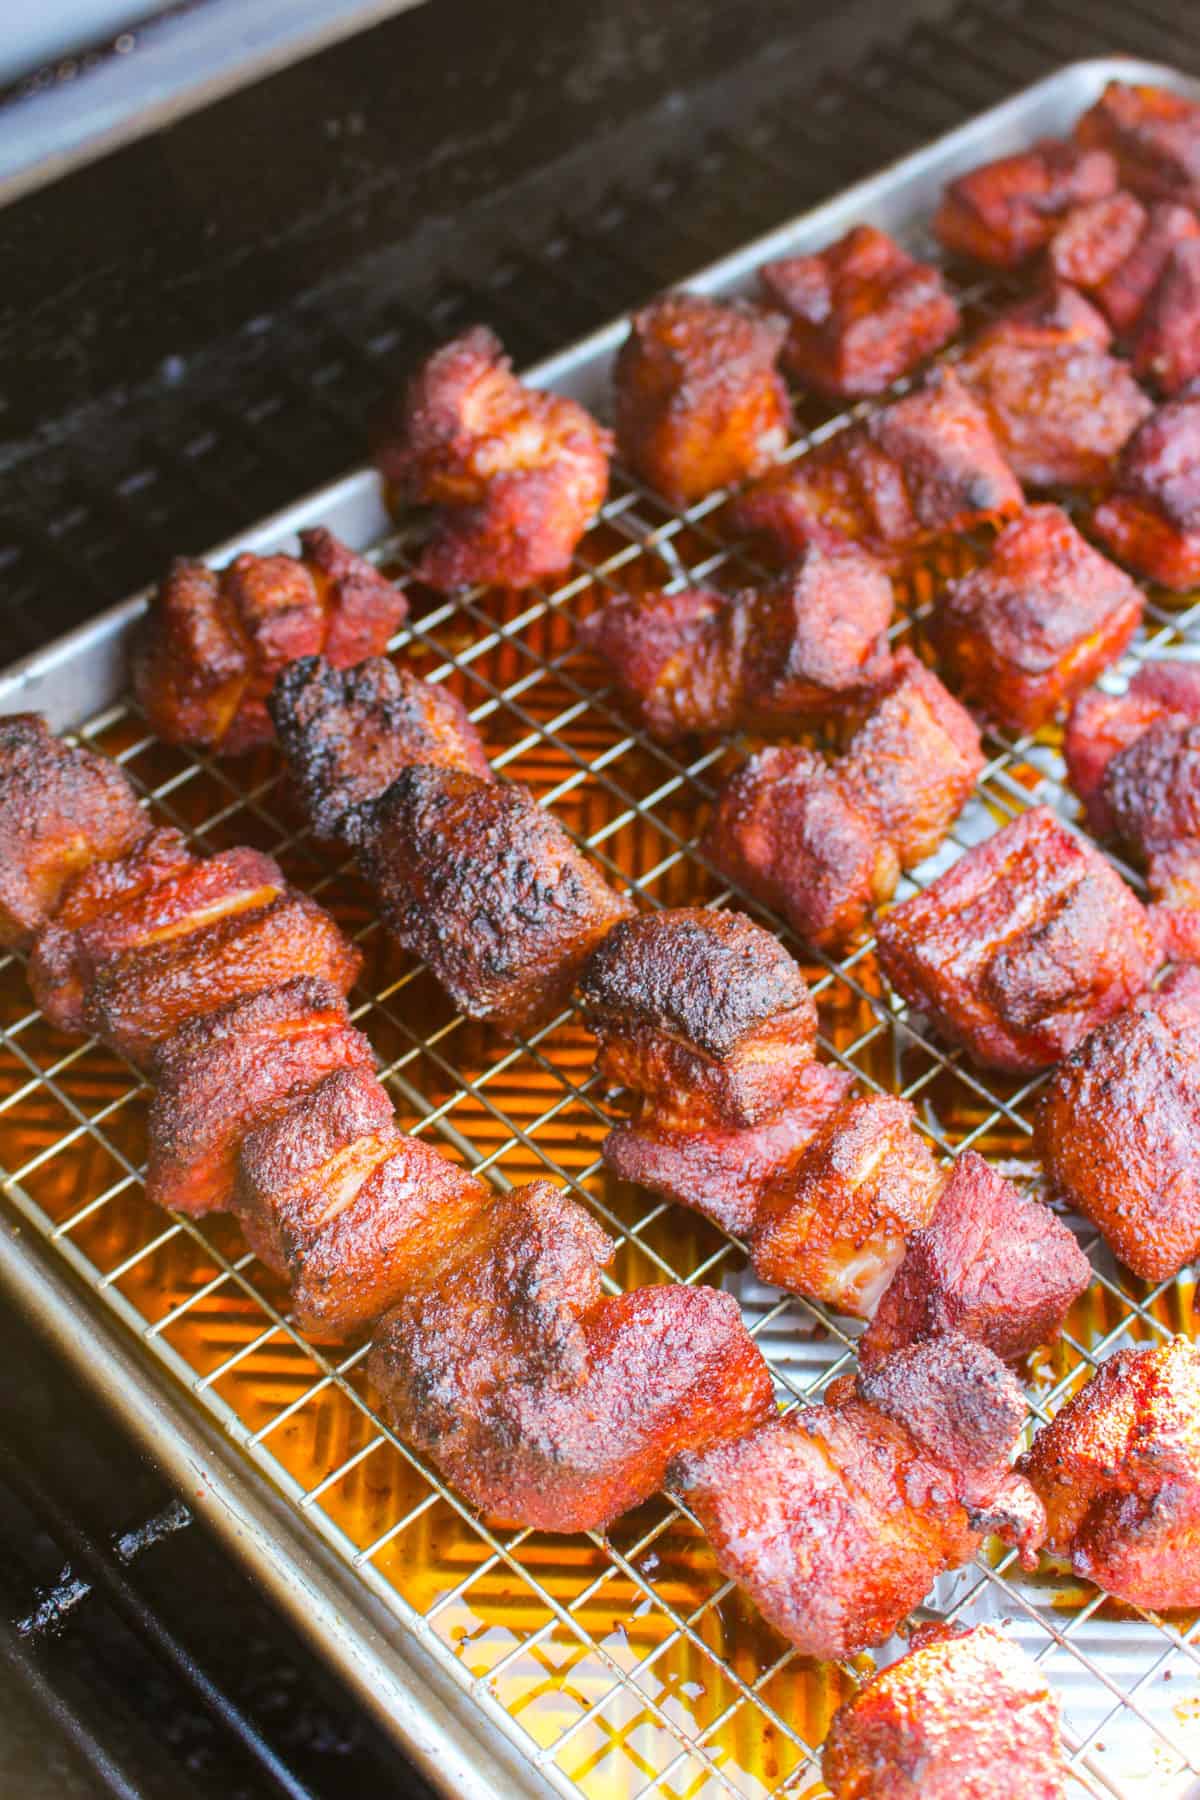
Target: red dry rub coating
x=514, y=476
x=861, y=313
x=1103, y=725
x=61, y=809
x=1118, y=1471
x=1153, y=134
x=1004, y=212
x=1150, y=519
x=700, y=403
x=214, y=641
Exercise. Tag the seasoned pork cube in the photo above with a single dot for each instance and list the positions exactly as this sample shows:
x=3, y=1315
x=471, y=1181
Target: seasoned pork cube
x=1151, y=518
x=1166, y=344
x=1153, y=134
x=1095, y=239
x=1004, y=212
x=1101, y=725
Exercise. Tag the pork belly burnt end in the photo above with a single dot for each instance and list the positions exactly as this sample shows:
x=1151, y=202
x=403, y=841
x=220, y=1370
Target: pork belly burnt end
x=214, y=641
x=220, y=1075
x=1103, y=725
x=1118, y=252
x=1004, y=212
x=478, y=880
x=923, y=467
x=346, y=734
x=1034, y=625
x=1119, y=1129
x=861, y=313
x=1151, y=518
x=61, y=809
x=1154, y=136
x=773, y=658
x=700, y=403
x=1118, y=1471
x=514, y=476
x=838, y=1518
x=544, y=1403
x=990, y=1263
x=1022, y=947
x=963, y=1715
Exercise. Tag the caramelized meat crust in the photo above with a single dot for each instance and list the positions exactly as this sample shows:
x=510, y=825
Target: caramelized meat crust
x=1035, y=625
x=964, y=1715
x=861, y=313
x=1153, y=135
x=1119, y=1129
x=478, y=880
x=1102, y=725
x=1118, y=1471
x=1004, y=212
x=61, y=809
x=700, y=403
x=1166, y=346
x=989, y=1264
x=214, y=641
x=1151, y=518
x=925, y=466
x=1094, y=240
x=346, y=734
x=514, y=476
x=1022, y=947
x=1121, y=254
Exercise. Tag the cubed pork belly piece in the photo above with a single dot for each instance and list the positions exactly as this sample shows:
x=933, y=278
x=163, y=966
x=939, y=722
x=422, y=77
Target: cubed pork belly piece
x=1022, y=947
x=483, y=884
x=1118, y=1471
x=861, y=313
x=213, y=641
x=774, y=658
x=837, y=1519
x=834, y=1227
x=1166, y=344
x=514, y=476
x=1119, y=1129
x=1095, y=239
x=346, y=734
x=1117, y=251
x=923, y=467
x=1004, y=212
x=545, y=1403
x=990, y=1263
x=1024, y=633
x=61, y=810
x=700, y=402
x=221, y=1075
x=963, y=1715
x=1151, y=518
x=1101, y=725
x=1153, y=135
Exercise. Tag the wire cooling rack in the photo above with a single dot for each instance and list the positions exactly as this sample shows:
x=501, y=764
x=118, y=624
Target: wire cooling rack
x=623, y=1666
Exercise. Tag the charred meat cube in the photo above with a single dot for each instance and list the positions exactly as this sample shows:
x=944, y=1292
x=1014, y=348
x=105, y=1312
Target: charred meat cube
x=700, y=403
x=837, y=1519
x=1153, y=134
x=1119, y=1129
x=346, y=734
x=1004, y=212
x=990, y=1264
x=835, y=1226
x=1102, y=725
x=1118, y=1471
x=1166, y=344
x=213, y=641
x=678, y=659
x=1022, y=947
x=1151, y=518
x=546, y=1404
x=923, y=467
x=478, y=880
x=861, y=313
x=61, y=810
x=222, y=1074
x=514, y=477
x=963, y=1715
x=1034, y=625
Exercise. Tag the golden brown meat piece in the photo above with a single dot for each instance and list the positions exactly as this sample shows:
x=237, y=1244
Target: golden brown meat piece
x=837, y=1519
x=1102, y=725
x=700, y=403
x=503, y=1359
x=515, y=477
x=773, y=658
x=61, y=809
x=1118, y=1470
x=1154, y=136
x=964, y=1715
x=1022, y=947
x=861, y=313
x=1119, y=1129
x=478, y=880
x=1024, y=633
x=1004, y=212
x=990, y=1263
x=346, y=734
x=1151, y=518
x=923, y=467
x=213, y=641
x=226, y=1072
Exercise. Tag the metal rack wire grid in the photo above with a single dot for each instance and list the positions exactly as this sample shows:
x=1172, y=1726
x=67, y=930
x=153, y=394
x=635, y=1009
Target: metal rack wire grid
x=621, y=1665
